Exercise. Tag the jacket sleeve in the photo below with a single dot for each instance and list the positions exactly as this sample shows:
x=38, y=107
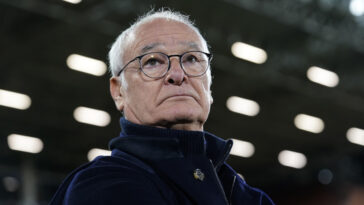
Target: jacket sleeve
x=265, y=200
x=112, y=186
x=245, y=194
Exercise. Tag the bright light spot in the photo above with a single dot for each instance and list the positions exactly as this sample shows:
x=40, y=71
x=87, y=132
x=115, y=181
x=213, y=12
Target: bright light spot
x=14, y=100
x=25, y=143
x=249, y=52
x=73, y=1
x=356, y=7
x=322, y=76
x=325, y=176
x=242, y=106
x=91, y=116
x=309, y=123
x=355, y=135
x=86, y=65
x=94, y=152
x=292, y=159
x=11, y=184
x=240, y=175
x=242, y=148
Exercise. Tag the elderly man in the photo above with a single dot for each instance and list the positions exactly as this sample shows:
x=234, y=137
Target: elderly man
x=161, y=82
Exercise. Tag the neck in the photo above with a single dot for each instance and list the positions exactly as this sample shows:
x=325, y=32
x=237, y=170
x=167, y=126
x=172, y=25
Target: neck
x=182, y=126
x=176, y=125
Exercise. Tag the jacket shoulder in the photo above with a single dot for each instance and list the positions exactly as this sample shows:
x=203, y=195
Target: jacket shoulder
x=252, y=195
x=112, y=180
x=242, y=193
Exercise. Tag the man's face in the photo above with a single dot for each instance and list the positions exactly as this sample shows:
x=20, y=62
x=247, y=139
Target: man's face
x=174, y=101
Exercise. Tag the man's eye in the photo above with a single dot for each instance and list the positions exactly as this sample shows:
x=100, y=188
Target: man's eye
x=152, y=62
x=191, y=59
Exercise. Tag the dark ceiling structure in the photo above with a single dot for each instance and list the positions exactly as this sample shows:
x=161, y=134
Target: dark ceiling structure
x=37, y=36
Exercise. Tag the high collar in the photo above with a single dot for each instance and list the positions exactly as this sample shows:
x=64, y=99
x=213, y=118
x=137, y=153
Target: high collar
x=154, y=143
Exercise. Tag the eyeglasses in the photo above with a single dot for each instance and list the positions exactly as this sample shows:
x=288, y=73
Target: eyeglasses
x=157, y=64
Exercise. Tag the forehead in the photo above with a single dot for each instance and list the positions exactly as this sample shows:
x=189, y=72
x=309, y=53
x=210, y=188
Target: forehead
x=165, y=34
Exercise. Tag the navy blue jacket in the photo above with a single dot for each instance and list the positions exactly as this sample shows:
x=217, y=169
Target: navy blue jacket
x=155, y=166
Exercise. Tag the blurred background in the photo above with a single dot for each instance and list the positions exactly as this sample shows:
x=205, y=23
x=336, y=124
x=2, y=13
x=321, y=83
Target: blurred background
x=288, y=87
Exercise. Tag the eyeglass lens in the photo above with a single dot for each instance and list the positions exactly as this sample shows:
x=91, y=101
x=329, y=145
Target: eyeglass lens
x=156, y=64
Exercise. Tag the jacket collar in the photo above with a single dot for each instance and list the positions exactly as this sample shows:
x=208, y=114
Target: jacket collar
x=152, y=143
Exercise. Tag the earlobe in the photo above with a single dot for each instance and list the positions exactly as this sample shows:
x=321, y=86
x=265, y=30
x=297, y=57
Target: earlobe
x=211, y=99
x=116, y=92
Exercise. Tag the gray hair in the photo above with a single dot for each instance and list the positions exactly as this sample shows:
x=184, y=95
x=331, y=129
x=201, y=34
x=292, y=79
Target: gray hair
x=118, y=48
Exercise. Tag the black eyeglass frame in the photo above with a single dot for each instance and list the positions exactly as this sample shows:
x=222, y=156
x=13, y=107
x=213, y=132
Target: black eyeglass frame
x=209, y=56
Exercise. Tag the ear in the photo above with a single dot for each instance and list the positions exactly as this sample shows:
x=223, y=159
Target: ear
x=211, y=99
x=117, y=94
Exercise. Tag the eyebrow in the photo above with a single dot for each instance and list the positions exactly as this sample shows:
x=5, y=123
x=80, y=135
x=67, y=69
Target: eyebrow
x=150, y=47
x=192, y=45
x=189, y=44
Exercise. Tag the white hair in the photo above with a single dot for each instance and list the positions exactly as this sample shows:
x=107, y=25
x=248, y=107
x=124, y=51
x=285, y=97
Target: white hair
x=122, y=42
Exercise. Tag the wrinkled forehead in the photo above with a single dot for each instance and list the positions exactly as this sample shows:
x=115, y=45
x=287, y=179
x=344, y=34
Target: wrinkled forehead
x=156, y=33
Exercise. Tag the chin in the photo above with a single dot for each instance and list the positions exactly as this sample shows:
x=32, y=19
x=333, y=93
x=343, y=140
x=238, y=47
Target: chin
x=187, y=115
x=180, y=113
x=190, y=116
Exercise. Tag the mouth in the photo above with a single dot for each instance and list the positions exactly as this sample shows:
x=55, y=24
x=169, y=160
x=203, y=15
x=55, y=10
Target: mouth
x=179, y=96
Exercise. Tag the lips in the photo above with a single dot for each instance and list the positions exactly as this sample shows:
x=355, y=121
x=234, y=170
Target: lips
x=178, y=94
x=173, y=96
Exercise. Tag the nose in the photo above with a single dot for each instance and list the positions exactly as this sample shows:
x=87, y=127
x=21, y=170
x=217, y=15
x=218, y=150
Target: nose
x=175, y=75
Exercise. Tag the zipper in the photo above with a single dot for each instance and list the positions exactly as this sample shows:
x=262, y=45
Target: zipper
x=232, y=189
x=226, y=152
x=219, y=183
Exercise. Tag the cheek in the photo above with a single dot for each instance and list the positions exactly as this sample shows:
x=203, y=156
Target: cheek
x=205, y=98
x=208, y=100
x=141, y=95
x=207, y=91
